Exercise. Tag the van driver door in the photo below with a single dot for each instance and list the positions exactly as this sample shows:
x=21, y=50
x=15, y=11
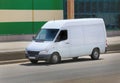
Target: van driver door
x=62, y=43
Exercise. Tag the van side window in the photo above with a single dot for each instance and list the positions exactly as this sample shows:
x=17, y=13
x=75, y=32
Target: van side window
x=62, y=36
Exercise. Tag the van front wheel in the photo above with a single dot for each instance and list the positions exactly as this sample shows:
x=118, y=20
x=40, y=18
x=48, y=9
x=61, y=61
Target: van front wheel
x=55, y=58
x=95, y=54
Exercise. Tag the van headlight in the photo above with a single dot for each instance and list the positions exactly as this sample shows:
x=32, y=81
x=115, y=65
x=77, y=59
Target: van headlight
x=43, y=52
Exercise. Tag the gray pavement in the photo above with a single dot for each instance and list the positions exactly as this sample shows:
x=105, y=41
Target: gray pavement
x=13, y=46
x=15, y=50
x=113, y=40
x=84, y=70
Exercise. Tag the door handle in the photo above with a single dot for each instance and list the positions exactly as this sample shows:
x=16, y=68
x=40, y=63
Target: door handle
x=67, y=43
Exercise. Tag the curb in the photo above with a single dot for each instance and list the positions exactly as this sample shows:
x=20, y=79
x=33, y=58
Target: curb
x=26, y=60
x=113, y=47
x=14, y=55
x=13, y=61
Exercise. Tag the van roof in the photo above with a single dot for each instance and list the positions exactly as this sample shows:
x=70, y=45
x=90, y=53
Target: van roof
x=71, y=22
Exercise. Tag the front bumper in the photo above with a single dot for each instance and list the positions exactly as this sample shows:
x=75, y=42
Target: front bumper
x=38, y=57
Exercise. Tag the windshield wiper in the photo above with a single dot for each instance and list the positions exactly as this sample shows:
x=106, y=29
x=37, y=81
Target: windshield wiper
x=39, y=40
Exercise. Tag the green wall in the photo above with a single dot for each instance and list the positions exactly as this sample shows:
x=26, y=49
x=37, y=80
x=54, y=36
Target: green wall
x=28, y=4
x=13, y=28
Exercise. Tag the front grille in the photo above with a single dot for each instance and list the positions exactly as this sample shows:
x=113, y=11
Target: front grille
x=33, y=53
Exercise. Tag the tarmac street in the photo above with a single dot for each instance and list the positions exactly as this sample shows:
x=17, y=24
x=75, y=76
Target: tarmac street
x=84, y=70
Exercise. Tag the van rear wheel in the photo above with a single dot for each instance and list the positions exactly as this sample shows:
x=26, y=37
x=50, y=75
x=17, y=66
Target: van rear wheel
x=95, y=54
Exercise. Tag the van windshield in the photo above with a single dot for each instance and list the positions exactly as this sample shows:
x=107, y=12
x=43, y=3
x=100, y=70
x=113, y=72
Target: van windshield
x=46, y=35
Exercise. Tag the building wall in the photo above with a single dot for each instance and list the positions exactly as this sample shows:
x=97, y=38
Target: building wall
x=17, y=16
x=109, y=10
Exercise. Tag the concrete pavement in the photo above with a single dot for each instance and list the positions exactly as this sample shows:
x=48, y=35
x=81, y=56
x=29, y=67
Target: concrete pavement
x=113, y=40
x=15, y=50
x=13, y=46
x=84, y=70
x=21, y=45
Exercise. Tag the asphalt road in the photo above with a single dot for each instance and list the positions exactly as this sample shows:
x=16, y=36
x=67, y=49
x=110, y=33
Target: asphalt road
x=85, y=70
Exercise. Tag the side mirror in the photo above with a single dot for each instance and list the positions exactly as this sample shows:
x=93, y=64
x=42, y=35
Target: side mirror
x=33, y=37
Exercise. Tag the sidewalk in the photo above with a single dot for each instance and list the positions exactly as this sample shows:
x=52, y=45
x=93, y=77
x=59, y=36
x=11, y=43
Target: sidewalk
x=13, y=46
x=113, y=40
x=21, y=45
x=15, y=50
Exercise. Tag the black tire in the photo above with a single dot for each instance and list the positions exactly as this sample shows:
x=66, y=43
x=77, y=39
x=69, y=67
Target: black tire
x=75, y=58
x=95, y=54
x=33, y=61
x=55, y=58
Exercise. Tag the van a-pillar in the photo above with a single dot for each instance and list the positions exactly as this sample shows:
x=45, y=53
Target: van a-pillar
x=70, y=9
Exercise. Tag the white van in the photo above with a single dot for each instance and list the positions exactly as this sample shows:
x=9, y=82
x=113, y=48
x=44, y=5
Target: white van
x=68, y=39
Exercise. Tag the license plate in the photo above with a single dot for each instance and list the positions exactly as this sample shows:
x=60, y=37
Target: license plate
x=31, y=57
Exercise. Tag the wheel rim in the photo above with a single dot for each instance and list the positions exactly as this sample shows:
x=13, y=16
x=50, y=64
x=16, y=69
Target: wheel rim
x=96, y=54
x=55, y=58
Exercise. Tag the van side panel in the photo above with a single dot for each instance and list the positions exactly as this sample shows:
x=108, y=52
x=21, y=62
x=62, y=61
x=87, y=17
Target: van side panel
x=94, y=37
x=76, y=41
x=84, y=38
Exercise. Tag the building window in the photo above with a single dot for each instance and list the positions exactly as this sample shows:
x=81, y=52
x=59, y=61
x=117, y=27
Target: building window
x=109, y=10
